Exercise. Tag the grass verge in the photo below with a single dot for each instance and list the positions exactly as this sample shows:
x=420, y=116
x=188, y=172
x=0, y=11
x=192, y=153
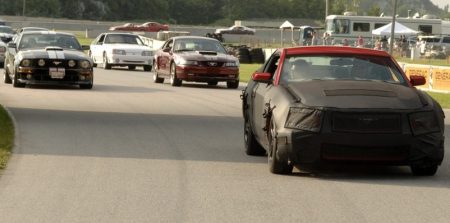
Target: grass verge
x=6, y=137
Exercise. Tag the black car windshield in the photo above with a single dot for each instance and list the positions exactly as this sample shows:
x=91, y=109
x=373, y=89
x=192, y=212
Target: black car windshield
x=192, y=44
x=365, y=68
x=6, y=29
x=123, y=39
x=40, y=40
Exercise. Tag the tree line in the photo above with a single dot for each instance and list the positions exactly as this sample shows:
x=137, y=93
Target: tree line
x=206, y=11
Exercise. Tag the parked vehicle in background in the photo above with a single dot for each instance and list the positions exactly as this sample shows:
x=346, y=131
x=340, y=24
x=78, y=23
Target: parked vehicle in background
x=6, y=33
x=238, y=30
x=2, y=22
x=328, y=104
x=195, y=59
x=145, y=27
x=47, y=58
x=435, y=46
x=340, y=27
x=121, y=49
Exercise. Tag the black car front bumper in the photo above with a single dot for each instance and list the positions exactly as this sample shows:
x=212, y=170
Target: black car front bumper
x=329, y=145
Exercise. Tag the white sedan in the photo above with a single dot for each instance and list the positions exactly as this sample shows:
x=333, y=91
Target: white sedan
x=121, y=49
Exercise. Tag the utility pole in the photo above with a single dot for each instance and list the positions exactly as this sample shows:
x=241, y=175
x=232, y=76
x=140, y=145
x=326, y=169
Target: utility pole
x=391, y=44
x=326, y=8
x=23, y=8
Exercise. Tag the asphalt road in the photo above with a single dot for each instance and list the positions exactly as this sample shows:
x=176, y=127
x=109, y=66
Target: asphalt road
x=133, y=151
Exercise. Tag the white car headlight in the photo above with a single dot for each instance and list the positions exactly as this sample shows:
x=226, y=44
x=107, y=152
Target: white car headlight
x=85, y=64
x=117, y=51
x=147, y=53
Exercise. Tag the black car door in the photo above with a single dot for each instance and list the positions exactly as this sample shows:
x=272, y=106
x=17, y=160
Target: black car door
x=259, y=102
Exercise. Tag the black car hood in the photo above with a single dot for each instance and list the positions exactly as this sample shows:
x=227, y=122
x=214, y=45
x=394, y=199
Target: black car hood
x=205, y=56
x=356, y=94
x=53, y=54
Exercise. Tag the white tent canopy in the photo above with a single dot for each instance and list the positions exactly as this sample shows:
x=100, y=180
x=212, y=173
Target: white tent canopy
x=399, y=30
x=287, y=25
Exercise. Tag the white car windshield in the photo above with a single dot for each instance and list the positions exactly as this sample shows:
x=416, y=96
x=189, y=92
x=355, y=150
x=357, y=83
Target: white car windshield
x=123, y=39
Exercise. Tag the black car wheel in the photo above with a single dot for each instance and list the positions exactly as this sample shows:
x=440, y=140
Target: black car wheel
x=16, y=82
x=232, y=84
x=147, y=67
x=252, y=147
x=277, y=163
x=212, y=83
x=424, y=169
x=6, y=77
x=106, y=65
x=131, y=67
x=174, y=81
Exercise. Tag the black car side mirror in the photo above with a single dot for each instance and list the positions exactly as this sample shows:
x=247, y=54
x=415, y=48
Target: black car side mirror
x=85, y=47
x=12, y=45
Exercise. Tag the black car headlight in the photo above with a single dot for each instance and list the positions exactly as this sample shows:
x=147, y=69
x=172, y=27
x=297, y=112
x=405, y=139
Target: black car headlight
x=25, y=63
x=423, y=122
x=305, y=119
x=85, y=64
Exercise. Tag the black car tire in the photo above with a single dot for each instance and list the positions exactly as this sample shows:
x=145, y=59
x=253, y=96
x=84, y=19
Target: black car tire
x=424, y=169
x=147, y=67
x=131, y=67
x=86, y=86
x=277, y=164
x=106, y=65
x=6, y=77
x=174, y=81
x=232, y=84
x=212, y=83
x=16, y=82
x=252, y=147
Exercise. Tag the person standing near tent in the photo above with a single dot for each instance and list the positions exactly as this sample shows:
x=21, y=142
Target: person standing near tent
x=384, y=43
x=359, y=42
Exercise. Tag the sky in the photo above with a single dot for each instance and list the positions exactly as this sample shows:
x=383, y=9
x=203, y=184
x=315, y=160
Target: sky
x=441, y=3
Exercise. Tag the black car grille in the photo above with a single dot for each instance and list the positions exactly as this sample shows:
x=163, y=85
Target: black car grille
x=54, y=63
x=366, y=123
x=210, y=63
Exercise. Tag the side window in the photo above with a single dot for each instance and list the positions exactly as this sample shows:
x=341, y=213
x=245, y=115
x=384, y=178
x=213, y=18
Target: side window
x=361, y=27
x=426, y=29
x=101, y=39
x=272, y=65
x=168, y=44
x=446, y=40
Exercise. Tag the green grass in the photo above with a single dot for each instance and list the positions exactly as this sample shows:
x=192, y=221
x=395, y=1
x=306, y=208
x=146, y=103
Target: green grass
x=246, y=71
x=442, y=98
x=6, y=137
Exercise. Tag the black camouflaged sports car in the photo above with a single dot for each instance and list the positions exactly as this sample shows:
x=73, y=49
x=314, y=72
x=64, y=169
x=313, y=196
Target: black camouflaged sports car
x=43, y=57
x=312, y=105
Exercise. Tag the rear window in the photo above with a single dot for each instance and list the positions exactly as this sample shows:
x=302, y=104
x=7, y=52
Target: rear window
x=363, y=68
